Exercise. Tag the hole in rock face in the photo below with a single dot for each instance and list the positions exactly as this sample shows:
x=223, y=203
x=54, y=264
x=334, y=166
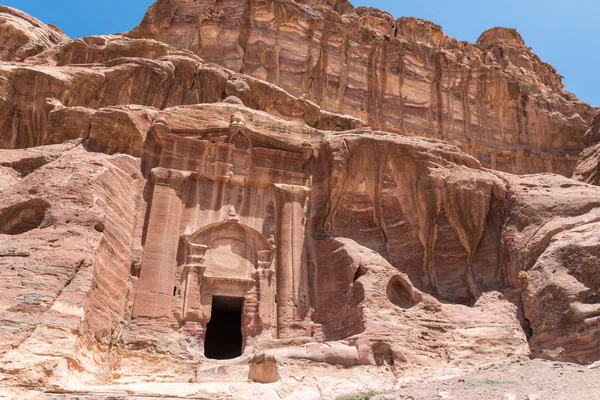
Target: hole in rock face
x=223, y=338
x=23, y=217
x=382, y=354
x=99, y=227
x=135, y=269
x=399, y=293
x=360, y=271
x=527, y=328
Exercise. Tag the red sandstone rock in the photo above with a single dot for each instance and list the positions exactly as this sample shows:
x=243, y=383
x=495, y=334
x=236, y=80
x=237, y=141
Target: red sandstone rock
x=552, y=243
x=34, y=115
x=105, y=48
x=500, y=36
x=588, y=166
x=28, y=160
x=495, y=100
x=120, y=130
x=66, y=248
x=22, y=36
x=341, y=245
x=263, y=369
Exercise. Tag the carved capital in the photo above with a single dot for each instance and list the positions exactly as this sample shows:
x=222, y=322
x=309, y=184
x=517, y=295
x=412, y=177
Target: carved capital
x=307, y=150
x=173, y=178
x=195, y=253
x=221, y=171
x=291, y=193
x=264, y=256
x=265, y=274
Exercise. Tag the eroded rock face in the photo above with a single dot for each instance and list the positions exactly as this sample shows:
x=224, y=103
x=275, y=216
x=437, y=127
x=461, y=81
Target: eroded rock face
x=388, y=248
x=166, y=212
x=23, y=36
x=495, y=100
x=413, y=192
x=360, y=252
x=588, y=166
x=66, y=246
x=299, y=225
x=552, y=239
x=31, y=115
x=500, y=36
x=105, y=48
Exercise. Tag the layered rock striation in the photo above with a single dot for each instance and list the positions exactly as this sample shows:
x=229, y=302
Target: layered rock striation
x=48, y=95
x=159, y=213
x=24, y=36
x=67, y=234
x=419, y=257
x=588, y=165
x=495, y=99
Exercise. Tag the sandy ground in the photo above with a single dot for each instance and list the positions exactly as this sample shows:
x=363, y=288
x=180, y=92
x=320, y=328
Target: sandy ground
x=523, y=380
x=527, y=380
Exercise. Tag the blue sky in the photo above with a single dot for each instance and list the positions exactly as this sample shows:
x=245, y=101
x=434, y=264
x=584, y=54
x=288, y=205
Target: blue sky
x=563, y=33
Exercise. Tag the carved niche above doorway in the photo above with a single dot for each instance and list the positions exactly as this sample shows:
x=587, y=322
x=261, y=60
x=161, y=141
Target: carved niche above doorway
x=228, y=259
x=226, y=220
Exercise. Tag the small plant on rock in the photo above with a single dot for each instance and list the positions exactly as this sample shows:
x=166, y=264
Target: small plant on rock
x=361, y=396
x=457, y=93
x=490, y=382
x=526, y=88
x=522, y=278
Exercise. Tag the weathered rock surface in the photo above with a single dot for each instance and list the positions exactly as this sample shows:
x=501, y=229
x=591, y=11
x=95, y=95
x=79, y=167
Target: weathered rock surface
x=23, y=36
x=588, y=166
x=116, y=129
x=345, y=288
x=263, y=369
x=410, y=259
x=28, y=160
x=27, y=113
x=105, y=48
x=67, y=229
x=496, y=100
x=170, y=220
x=552, y=239
x=526, y=379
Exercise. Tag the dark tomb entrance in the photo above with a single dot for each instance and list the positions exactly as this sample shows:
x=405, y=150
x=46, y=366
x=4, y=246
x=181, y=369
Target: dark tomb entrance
x=223, y=338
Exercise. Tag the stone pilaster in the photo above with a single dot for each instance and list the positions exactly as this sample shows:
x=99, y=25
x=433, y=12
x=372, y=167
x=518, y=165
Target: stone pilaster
x=155, y=287
x=265, y=282
x=192, y=302
x=291, y=274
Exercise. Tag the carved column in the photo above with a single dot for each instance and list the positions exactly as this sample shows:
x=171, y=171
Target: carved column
x=264, y=281
x=156, y=282
x=291, y=274
x=251, y=326
x=191, y=309
x=193, y=272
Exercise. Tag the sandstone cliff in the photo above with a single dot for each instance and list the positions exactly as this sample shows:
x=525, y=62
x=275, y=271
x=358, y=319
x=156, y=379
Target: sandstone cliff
x=495, y=99
x=418, y=257
x=24, y=36
x=588, y=166
x=149, y=188
x=32, y=114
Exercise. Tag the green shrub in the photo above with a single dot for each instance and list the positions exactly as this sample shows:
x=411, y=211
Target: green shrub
x=490, y=382
x=362, y=396
x=522, y=278
x=457, y=93
x=527, y=88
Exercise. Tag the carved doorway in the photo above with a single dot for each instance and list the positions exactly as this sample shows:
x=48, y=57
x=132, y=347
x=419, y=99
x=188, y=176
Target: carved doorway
x=223, y=338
